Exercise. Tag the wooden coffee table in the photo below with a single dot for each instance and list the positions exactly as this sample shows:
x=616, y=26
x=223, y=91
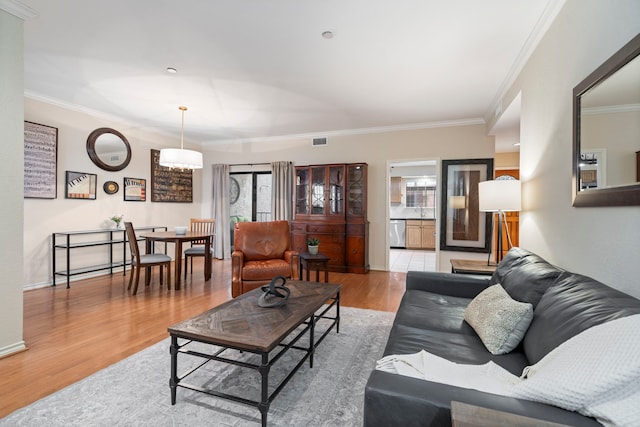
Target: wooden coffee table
x=240, y=324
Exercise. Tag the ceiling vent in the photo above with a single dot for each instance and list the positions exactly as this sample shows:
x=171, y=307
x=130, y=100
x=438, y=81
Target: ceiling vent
x=316, y=142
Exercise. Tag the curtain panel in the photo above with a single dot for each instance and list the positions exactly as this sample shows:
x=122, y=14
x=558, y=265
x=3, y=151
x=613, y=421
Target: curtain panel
x=220, y=211
x=282, y=190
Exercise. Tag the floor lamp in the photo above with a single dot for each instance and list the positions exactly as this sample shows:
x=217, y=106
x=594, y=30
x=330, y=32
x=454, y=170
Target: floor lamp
x=500, y=195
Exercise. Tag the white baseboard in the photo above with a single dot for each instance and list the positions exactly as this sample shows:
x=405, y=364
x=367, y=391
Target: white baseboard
x=13, y=348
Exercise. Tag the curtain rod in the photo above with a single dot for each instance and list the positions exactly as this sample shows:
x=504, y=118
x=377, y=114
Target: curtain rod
x=249, y=164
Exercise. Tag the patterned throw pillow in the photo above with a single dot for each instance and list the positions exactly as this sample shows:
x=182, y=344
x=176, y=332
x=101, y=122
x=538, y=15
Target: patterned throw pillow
x=499, y=321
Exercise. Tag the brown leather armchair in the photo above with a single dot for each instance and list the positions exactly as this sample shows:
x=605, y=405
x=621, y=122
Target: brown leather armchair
x=262, y=251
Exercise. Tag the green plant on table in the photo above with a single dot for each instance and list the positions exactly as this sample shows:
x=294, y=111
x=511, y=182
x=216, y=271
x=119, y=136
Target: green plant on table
x=117, y=219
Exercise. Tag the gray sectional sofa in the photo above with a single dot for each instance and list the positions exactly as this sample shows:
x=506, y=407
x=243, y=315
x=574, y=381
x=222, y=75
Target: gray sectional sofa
x=431, y=318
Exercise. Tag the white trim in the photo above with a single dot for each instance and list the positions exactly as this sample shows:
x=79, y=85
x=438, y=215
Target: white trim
x=549, y=14
x=20, y=10
x=13, y=348
x=610, y=109
x=204, y=144
x=360, y=131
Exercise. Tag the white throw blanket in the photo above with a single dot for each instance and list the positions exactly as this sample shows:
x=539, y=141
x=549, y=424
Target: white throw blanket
x=596, y=373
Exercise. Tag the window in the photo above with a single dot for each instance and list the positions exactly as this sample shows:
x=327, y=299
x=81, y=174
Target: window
x=251, y=197
x=420, y=194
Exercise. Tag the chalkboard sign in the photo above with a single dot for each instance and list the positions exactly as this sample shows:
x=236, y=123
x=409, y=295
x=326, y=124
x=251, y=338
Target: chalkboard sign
x=170, y=185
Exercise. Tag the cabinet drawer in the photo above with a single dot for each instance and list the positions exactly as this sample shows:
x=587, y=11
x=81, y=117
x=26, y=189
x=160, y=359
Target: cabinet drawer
x=298, y=227
x=325, y=228
x=356, y=229
x=417, y=222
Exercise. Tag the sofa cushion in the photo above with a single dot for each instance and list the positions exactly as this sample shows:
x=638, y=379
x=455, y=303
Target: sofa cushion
x=499, y=320
x=456, y=347
x=428, y=310
x=525, y=276
x=573, y=304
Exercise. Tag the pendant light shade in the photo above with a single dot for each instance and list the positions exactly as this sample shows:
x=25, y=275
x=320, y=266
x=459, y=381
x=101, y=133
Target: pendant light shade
x=179, y=158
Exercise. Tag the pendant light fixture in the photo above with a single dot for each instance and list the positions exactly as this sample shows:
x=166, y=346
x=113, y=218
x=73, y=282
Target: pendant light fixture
x=179, y=158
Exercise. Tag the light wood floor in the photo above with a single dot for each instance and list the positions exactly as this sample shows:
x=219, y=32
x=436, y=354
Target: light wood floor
x=72, y=333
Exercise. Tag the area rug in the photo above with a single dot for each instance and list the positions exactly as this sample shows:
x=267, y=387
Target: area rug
x=135, y=391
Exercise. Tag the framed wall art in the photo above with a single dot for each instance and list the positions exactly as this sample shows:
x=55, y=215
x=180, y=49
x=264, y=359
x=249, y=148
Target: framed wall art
x=170, y=185
x=40, y=161
x=462, y=226
x=135, y=190
x=80, y=185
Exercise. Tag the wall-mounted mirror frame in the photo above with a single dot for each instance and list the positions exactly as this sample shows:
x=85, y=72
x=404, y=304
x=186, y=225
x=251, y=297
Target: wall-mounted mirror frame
x=624, y=195
x=98, y=157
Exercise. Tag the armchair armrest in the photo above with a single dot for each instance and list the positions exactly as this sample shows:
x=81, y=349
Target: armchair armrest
x=237, y=259
x=293, y=258
x=456, y=285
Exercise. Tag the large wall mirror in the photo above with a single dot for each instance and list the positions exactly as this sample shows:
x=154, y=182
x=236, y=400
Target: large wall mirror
x=108, y=149
x=606, y=132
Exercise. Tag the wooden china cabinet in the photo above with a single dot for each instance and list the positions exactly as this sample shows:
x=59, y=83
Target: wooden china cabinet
x=331, y=204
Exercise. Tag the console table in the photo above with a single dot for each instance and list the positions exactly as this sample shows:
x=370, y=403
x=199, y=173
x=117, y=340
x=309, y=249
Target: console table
x=68, y=240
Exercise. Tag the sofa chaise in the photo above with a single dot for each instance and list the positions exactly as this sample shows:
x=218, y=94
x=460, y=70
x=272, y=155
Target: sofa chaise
x=431, y=317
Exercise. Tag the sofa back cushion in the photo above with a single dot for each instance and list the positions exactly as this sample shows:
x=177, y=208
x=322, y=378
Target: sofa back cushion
x=525, y=276
x=573, y=304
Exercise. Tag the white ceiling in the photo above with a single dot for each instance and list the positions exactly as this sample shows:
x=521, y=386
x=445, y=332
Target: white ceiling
x=257, y=69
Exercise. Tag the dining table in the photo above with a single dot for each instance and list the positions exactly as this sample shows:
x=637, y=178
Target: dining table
x=177, y=239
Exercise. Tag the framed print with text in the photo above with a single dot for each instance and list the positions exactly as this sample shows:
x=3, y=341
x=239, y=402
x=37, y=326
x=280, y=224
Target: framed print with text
x=462, y=226
x=135, y=190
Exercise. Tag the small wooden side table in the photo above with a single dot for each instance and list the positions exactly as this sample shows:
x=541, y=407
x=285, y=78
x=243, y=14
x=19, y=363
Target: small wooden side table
x=466, y=415
x=465, y=266
x=314, y=262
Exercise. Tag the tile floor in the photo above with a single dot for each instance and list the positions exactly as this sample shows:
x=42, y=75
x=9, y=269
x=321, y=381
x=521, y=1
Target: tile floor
x=403, y=260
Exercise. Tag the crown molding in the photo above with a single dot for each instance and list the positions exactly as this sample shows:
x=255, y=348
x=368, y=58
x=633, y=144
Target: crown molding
x=610, y=109
x=549, y=14
x=18, y=9
x=125, y=123
x=359, y=131
x=345, y=132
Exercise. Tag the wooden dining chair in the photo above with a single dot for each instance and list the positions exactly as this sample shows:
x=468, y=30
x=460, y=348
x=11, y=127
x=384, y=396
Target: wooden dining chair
x=198, y=225
x=139, y=261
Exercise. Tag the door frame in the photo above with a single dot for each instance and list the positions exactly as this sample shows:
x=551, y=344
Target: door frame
x=412, y=162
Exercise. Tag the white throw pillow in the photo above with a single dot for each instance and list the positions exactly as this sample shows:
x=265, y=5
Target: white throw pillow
x=595, y=373
x=499, y=321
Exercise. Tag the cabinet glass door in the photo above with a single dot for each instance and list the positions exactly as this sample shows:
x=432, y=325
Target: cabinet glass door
x=317, y=191
x=336, y=190
x=302, y=191
x=356, y=180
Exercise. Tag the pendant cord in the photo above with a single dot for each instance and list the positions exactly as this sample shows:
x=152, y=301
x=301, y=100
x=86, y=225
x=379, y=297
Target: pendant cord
x=183, y=109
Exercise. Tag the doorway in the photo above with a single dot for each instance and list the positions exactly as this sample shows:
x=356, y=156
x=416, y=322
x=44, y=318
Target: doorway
x=412, y=215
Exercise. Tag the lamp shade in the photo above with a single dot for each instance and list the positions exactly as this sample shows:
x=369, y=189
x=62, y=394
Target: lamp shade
x=180, y=158
x=499, y=195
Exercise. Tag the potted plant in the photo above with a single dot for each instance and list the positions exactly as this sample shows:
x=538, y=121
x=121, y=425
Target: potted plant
x=312, y=245
x=117, y=219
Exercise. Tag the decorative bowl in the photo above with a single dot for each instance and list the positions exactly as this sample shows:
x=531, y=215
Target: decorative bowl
x=181, y=229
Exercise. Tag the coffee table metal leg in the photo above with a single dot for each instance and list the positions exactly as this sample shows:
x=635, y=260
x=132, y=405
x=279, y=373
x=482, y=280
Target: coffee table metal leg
x=312, y=328
x=263, y=407
x=338, y=312
x=173, y=381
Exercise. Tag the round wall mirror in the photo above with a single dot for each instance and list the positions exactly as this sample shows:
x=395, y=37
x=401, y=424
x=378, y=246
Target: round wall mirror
x=108, y=149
